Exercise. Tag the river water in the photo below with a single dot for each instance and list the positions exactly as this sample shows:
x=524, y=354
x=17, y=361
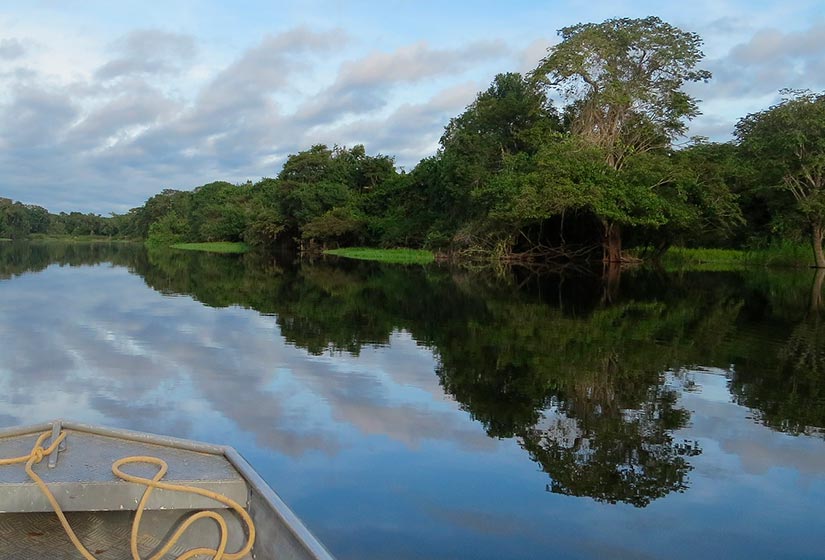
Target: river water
x=429, y=412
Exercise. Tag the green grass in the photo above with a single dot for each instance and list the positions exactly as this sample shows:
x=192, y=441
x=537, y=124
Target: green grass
x=681, y=256
x=783, y=254
x=214, y=247
x=397, y=256
x=5, y=239
x=779, y=255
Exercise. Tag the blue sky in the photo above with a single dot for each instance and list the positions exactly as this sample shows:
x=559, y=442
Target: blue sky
x=103, y=104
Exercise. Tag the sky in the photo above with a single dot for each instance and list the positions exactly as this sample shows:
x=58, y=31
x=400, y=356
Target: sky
x=103, y=104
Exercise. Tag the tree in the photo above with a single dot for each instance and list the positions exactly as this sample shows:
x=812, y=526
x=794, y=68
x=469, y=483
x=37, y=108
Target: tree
x=342, y=224
x=168, y=200
x=217, y=212
x=264, y=223
x=623, y=82
x=311, y=166
x=14, y=219
x=350, y=167
x=512, y=116
x=787, y=143
x=705, y=209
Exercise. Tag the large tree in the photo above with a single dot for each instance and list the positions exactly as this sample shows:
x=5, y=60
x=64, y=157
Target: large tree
x=787, y=143
x=513, y=117
x=622, y=80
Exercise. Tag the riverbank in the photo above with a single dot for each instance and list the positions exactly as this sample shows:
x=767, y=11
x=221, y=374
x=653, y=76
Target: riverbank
x=79, y=238
x=396, y=256
x=214, y=247
x=785, y=255
x=778, y=256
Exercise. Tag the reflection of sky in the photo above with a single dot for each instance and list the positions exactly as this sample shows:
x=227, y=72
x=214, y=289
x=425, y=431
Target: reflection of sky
x=368, y=449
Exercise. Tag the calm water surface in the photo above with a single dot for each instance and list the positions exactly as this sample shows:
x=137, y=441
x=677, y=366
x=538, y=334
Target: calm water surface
x=409, y=412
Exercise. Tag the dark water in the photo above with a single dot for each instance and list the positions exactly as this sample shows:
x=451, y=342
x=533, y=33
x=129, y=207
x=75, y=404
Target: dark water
x=409, y=412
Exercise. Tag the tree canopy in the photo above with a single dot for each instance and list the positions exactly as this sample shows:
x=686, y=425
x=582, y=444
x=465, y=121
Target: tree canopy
x=623, y=82
x=787, y=144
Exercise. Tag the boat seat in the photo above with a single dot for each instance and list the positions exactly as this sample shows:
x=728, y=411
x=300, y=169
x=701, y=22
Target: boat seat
x=81, y=478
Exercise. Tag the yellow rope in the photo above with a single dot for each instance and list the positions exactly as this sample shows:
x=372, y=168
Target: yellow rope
x=38, y=453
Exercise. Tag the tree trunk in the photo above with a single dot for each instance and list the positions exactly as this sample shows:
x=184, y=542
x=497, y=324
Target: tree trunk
x=611, y=242
x=611, y=277
x=816, y=290
x=817, y=235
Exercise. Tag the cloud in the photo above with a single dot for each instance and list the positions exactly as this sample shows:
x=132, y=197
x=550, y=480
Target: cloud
x=33, y=122
x=362, y=85
x=725, y=427
x=747, y=76
x=410, y=132
x=773, y=45
x=234, y=119
x=268, y=66
x=769, y=61
x=11, y=49
x=532, y=54
x=415, y=62
x=148, y=114
x=134, y=131
x=148, y=51
x=139, y=105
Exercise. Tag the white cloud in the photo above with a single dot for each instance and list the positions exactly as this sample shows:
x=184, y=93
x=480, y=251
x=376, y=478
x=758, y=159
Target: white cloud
x=11, y=49
x=362, y=85
x=148, y=51
x=749, y=75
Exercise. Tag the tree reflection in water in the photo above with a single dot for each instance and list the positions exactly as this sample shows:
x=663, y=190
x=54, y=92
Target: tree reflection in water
x=589, y=386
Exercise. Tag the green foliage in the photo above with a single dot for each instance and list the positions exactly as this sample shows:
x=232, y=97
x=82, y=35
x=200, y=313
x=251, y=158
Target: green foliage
x=783, y=254
x=780, y=254
x=303, y=202
x=18, y=221
x=213, y=247
x=704, y=207
x=317, y=197
x=171, y=228
x=339, y=225
x=216, y=212
x=698, y=258
x=787, y=144
x=623, y=79
x=397, y=256
x=513, y=116
x=407, y=209
x=264, y=228
x=352, y=168
x=264, y=222
x=14, y=219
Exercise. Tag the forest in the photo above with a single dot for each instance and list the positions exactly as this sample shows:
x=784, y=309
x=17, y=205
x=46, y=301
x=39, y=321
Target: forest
x=583, y=158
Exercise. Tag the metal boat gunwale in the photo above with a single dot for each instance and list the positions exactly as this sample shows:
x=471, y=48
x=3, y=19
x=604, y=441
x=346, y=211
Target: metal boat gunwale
x=272, y=500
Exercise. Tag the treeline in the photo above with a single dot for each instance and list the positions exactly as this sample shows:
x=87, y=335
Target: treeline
x=18, y=221
x=577, y=159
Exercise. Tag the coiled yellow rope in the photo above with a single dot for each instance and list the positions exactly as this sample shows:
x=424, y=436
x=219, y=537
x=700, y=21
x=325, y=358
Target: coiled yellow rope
x=38, y=452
